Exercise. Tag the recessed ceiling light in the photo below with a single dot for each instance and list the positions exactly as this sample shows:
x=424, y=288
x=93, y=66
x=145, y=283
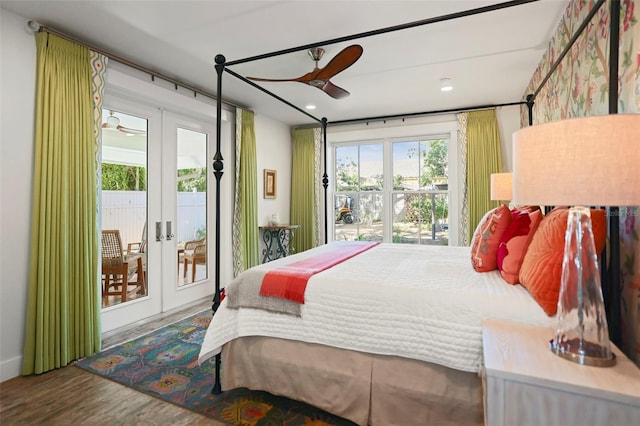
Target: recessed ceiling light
x=446, y=84
x=310, y=107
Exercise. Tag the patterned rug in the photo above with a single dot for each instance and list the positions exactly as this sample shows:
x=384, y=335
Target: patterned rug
x=164, y=364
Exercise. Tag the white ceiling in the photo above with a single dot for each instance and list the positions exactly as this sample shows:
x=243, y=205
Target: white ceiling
x=490, y=57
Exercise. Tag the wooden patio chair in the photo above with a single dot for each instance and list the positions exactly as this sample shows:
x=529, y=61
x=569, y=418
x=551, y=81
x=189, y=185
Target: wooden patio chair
x=139, y=246
x=121, y=275
x=194, y=252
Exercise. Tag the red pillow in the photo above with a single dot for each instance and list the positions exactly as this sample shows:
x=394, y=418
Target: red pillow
x=486, y=239
x=541, y=269
x=515, y=241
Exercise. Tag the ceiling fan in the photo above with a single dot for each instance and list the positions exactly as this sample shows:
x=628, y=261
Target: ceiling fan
x=113, y=122
x=320, y=77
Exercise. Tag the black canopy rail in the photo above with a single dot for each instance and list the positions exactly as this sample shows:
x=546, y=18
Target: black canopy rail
x=222, y=64
x=423, y=113
x=570, y=44
x=385, y=30
x=262, y=89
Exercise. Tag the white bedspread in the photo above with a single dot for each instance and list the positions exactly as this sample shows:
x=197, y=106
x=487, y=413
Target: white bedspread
x=420, y=302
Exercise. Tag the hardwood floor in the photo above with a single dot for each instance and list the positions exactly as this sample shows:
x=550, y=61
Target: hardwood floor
x=70, y=395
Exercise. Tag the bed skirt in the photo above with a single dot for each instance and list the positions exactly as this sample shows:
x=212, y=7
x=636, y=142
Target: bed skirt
x=367, y=389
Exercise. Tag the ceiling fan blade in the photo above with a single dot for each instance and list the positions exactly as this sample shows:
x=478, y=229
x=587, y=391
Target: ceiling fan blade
x=130, y=130
x=334, y=91
x=343, y=60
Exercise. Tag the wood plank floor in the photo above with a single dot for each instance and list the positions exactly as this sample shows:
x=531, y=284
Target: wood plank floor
x=70, y=395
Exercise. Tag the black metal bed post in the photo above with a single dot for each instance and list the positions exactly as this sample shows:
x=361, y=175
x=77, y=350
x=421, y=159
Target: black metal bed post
x=612, y=293
x=530, y=102
x=325, y=180
x=218, y=166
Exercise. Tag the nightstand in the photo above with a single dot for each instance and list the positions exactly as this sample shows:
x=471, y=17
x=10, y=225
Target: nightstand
x=526, y=384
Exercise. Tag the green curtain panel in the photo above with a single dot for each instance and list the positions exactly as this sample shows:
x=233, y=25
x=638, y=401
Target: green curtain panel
x=484, y=157
x=303, y=189
x=63, y=313
x=245, y=233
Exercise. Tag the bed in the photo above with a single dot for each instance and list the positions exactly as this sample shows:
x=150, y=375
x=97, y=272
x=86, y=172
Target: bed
x=390, y=336
x=391, y=326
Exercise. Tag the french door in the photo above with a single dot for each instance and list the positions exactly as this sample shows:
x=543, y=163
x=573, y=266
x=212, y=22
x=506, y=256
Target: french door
x=187, y=180
x=156, y=190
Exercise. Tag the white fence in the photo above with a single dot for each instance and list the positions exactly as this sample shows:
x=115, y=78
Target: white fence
x=127, y=210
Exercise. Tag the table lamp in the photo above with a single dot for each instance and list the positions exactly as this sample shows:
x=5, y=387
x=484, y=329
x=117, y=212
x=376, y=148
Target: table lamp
x=592, y=161
x=501, y=186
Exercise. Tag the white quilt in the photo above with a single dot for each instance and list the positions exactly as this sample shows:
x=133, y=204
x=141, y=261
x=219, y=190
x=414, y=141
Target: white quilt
x=420, y=302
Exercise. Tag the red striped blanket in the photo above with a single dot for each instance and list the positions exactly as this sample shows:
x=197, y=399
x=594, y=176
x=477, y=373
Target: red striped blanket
x=290, y=281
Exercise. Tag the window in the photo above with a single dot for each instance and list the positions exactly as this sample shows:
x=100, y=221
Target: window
x=395, y=190
x=358, y=197
x=419, y=199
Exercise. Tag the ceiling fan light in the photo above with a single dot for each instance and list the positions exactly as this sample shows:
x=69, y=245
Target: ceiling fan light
x=113, y=121
x=446, y=85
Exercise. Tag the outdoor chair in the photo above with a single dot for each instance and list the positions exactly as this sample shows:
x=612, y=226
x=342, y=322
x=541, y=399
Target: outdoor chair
x=139, y=246
x=194, y=252
x=121, y=275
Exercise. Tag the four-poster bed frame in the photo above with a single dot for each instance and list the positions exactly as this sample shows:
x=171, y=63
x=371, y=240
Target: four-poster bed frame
x=611, y=292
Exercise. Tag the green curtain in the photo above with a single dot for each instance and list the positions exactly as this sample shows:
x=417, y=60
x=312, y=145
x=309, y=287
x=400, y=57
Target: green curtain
x=245, y=222
x=484, y=157
x=63, y=312
x=303, y=189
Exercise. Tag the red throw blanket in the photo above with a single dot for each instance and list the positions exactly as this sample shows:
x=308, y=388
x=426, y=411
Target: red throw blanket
x=290, y=281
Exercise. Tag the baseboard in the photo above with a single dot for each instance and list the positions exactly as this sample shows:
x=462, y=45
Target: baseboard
x=10, y=368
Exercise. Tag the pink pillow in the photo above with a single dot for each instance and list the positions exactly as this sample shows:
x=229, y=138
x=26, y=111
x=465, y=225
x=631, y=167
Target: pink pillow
x=515, y=241
x=541, y=269
x=486, y=239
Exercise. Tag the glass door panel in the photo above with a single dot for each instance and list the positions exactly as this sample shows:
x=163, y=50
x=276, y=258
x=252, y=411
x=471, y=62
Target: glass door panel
x=191, y=206
x=124, y=202
x=129, y=165
x=186, y=183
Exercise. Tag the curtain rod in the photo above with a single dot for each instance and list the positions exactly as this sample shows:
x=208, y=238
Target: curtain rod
x=35, y=26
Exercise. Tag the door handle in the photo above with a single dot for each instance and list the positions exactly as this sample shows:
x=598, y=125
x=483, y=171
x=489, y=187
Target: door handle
x=159, y=236
x=169, y=233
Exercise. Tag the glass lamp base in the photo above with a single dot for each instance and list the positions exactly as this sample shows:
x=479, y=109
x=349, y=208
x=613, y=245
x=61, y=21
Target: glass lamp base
x=586, y=354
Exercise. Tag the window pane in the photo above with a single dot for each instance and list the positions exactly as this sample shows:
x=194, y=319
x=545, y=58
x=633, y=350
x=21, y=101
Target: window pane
x=371, y=170
x=347, y=168
x=406, y=166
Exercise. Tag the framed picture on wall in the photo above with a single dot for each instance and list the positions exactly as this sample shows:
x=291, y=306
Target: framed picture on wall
x=269, y=183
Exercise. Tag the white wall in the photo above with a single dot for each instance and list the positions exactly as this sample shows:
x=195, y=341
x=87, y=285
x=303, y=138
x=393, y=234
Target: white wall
x=509, y=122
x=274, y=144
x=17, y=105
x=17, y=94
x=274, y=152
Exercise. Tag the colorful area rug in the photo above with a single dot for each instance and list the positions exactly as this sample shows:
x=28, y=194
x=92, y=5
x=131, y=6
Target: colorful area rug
x=164, y=364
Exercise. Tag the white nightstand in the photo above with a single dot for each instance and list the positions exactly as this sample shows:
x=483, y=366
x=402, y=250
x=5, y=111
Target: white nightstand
x=526, y=384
